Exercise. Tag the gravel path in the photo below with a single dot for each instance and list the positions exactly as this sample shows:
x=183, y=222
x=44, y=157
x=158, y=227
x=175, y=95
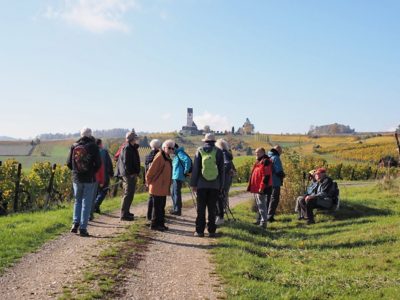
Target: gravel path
x=176, y=265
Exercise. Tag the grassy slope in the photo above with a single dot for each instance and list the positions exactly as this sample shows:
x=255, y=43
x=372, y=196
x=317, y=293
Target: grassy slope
x=354, y=253
x=26, y=232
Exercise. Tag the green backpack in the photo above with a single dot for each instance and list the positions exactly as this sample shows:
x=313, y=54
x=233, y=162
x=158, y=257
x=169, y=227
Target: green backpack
x=209, y=168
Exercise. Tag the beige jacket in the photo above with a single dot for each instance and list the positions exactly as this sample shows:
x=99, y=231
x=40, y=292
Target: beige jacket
x=159, y=175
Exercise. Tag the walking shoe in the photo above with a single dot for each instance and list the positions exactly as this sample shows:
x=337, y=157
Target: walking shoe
x=74, y=228
x=310, y=222
x=262, y=225
x=158, y=228
x=271, y=219
x=198, y=234
x=83, y=232
x=127, y=218
x=97, y=210
x=131, y=214
x=219, y=221
x=212, y=234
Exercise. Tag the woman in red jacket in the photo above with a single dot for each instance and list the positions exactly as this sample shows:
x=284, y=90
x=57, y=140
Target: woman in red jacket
x=260, y=183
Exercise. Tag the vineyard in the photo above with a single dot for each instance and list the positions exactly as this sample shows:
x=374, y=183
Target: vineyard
x=41, y=185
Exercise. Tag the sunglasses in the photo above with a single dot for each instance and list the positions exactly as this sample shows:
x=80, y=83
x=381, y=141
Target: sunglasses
x=170, y=148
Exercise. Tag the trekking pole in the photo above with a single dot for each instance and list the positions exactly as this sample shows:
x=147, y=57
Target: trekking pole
x=227, y=208
x=194, y=197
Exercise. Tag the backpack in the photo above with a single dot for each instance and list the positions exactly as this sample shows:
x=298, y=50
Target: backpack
x=334, y=193
x=209, y=168
x=183, y=167
x=81, y=158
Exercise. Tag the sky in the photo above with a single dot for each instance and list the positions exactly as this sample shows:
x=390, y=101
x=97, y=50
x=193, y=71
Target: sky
x=285, y=65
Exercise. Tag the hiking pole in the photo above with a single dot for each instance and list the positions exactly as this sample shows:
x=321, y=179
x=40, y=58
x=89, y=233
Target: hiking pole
x=194, y=197
x=227, y=208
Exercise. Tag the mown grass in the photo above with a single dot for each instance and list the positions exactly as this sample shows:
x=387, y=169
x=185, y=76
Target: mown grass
x=350, y=254
x=26, y=232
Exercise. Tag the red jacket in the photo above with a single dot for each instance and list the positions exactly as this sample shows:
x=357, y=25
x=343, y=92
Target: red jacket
x=261, y=176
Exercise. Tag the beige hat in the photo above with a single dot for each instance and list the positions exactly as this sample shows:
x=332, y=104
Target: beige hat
x=209, y=137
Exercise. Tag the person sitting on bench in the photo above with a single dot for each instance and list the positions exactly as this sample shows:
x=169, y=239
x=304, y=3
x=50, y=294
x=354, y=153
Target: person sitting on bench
x=311, y=188
x=321, y=198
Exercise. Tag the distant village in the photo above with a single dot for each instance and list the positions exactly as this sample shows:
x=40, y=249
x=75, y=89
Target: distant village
x=191, y=128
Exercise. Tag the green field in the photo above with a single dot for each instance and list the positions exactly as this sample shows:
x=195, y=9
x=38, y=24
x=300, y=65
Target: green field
x=353, y=253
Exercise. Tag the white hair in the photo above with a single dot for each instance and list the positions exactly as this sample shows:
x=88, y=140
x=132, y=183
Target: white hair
x=168, y=143
x=86, y=131
x=155, y=144
x=222, y=144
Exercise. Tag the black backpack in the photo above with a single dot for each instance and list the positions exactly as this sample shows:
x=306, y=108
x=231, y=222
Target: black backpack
x=334, y=194
x=81, y=158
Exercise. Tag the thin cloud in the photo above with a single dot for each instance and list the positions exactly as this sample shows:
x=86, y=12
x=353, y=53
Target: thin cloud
x=93, y=15
x=216, y=122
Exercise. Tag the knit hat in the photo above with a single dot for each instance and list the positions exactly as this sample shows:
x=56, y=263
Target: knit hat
x=320, y=170
x=131, y=135
x=87, y=132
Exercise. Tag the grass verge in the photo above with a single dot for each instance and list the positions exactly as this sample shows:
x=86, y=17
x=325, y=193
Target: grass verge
x=103, y=278
x=350, y=254
x=25, y=232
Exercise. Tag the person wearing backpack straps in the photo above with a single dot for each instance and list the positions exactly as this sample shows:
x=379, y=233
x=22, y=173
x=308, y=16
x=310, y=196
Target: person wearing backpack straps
x=84, y=161
x=229, y=171
x=208, y=181
x=277, y=181
x=128, y=167
x=260, y=184
x=181, y=167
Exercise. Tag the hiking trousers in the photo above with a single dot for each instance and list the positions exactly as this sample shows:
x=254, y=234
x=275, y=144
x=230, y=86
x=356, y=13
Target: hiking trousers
x=129, y=185
x=206, y=199
x=273, y=201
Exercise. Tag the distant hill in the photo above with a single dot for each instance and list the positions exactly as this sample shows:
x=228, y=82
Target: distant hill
x=331, y=129
x=7, y=138
x=106, y=133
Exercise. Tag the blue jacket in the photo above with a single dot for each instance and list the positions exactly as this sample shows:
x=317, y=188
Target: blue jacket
x=180, y=164
x=277, y=169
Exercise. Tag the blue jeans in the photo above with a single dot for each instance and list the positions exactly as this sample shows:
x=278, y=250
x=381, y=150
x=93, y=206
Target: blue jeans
x=84, y=196
x=177, y=195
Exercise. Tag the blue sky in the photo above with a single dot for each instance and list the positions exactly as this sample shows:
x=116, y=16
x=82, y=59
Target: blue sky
x=286, y=65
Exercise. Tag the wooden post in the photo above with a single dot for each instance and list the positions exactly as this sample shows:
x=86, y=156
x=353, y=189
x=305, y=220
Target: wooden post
x=17, y=183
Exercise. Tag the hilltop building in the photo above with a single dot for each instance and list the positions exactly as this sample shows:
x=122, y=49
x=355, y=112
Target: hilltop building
x=247, y=128
x=191, y=127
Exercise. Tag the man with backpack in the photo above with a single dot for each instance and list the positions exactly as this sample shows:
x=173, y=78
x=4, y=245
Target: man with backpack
x=323, y=196
x=128, y=168
x=208, y=181
x=277, y=181
x=181, y=167
x=84, y=161
x=260, y=184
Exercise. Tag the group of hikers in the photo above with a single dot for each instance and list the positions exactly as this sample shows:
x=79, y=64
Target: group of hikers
x=209, y=176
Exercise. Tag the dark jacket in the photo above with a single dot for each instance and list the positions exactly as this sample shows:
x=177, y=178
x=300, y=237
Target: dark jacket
x=128, y=161
x=229, y=168
x=197, y=179
x=323, y=193
x=277, y=169
x=95, y=161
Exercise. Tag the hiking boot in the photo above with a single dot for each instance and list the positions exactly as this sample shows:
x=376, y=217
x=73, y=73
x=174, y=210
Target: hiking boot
x=158, y=228
x=198, y=234
x=127, y=218
x=74, y=228
x=131, y=214
x=271, y=219
x=310, y=222
x=165, y=227
x=219, y=221
x=83, y=232
x=262, y=225
x=212, y=234
x=97, y=210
